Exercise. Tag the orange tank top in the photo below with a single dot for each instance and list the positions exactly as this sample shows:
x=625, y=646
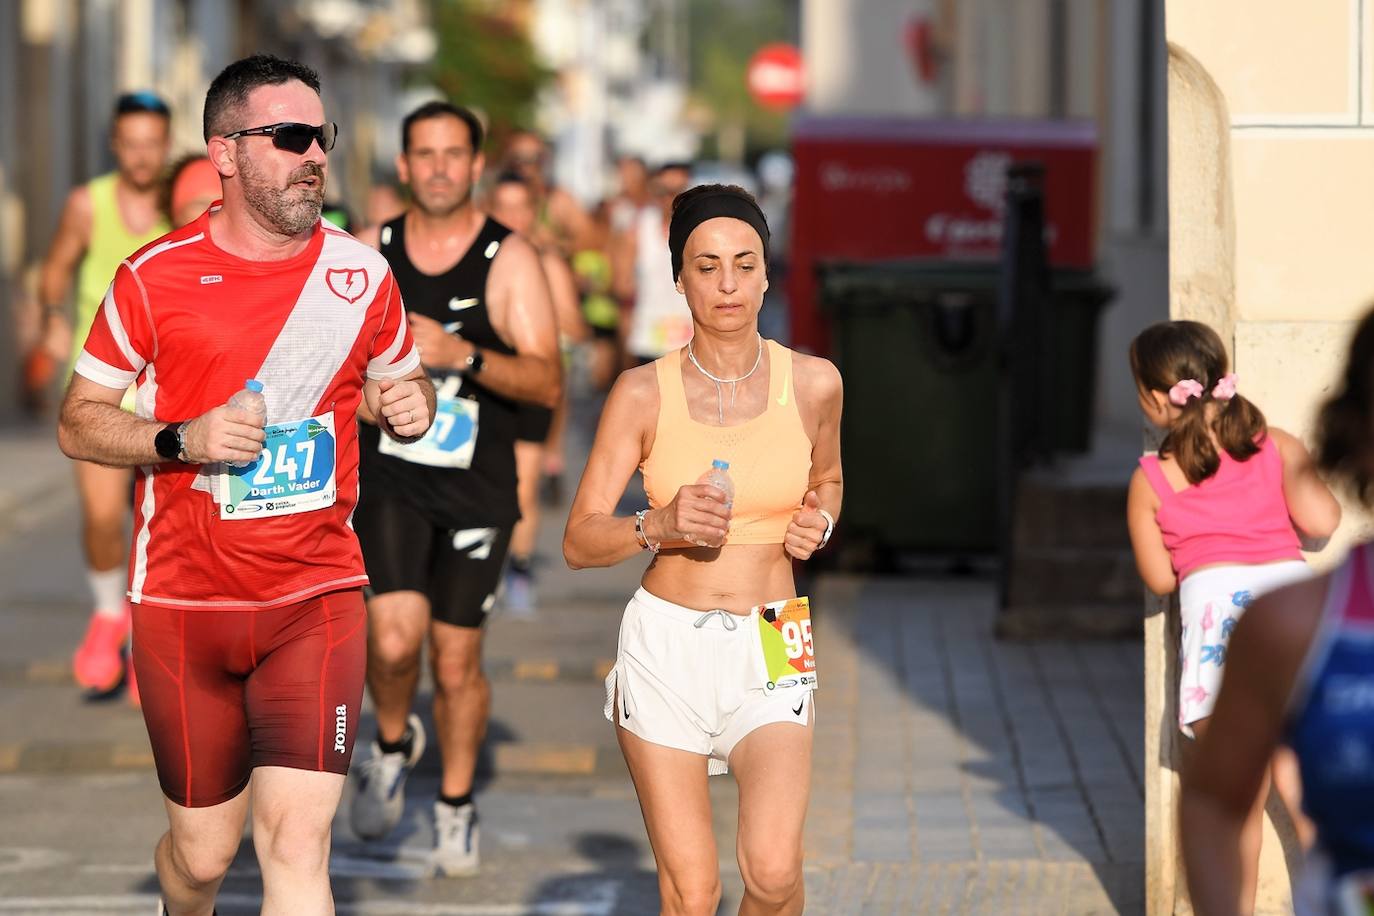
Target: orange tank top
x=770, y=455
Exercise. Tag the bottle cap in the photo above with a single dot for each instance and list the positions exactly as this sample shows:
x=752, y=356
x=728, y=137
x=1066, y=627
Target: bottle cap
x=253, y=385
x=723, y=465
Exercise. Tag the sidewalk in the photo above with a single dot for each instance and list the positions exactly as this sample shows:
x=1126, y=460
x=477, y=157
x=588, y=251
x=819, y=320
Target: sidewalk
x=953, y=774
x=957, y=774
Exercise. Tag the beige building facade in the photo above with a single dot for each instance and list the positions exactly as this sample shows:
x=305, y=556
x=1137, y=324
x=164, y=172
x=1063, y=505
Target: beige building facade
x=1271, y=218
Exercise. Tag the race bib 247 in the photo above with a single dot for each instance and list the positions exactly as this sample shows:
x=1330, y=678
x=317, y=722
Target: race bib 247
x=294, y=472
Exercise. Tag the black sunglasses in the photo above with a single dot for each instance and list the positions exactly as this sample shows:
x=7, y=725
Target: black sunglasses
x=293, y=137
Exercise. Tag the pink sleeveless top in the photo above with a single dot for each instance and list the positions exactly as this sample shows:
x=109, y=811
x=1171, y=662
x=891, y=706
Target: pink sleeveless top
x=1238, y=515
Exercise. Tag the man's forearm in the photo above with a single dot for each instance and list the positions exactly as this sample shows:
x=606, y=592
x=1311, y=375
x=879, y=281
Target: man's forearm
x=54, y=286
x=106, y=434
x=534, y=379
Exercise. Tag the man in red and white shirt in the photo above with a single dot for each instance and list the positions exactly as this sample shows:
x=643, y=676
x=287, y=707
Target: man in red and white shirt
x=245, y=575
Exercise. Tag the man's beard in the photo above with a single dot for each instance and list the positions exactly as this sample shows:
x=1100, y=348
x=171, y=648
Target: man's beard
x=289, y=210
x=440, y=208
x=143, y=187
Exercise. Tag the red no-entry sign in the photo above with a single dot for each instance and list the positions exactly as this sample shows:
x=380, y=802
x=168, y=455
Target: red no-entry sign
x=775, y=76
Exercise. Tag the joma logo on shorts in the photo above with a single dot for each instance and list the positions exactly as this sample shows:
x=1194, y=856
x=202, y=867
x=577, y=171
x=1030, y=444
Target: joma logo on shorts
x=340, y=727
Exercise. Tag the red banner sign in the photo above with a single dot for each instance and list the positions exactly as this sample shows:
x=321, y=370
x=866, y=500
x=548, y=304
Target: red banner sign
x=877, y=190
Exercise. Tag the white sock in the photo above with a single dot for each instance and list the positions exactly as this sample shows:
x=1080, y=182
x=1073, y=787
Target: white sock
x=108, y=590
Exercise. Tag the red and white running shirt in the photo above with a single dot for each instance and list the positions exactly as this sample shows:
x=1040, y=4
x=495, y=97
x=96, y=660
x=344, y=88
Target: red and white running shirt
x=190, y=323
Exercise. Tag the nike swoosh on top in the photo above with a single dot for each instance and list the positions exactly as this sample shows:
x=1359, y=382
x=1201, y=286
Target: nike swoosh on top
x=786, y=384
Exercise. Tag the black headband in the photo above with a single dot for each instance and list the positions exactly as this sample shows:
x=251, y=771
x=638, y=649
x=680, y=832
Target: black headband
x=708, y=206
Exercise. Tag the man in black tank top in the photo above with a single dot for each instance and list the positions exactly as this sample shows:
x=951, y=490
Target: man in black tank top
x=434, y=517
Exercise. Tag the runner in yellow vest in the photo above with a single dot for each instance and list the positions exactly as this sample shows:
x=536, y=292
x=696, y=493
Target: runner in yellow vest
x=103, y=222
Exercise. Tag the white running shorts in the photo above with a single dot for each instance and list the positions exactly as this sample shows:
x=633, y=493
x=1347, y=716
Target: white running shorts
x=694, y=680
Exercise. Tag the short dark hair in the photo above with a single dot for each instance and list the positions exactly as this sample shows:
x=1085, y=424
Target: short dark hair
x=439, y=109
x=141, y=102
x=510, y=176
x=231, y=88
x=1345, y=433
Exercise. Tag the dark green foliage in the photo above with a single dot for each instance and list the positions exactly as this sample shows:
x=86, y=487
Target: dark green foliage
x=485, y=61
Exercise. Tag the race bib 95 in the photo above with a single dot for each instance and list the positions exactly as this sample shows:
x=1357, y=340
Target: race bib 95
x=789, y=656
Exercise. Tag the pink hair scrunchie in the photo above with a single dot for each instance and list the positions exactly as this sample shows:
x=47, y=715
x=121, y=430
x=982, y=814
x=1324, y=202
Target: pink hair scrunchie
x=1225, y=388
x=1185, y=389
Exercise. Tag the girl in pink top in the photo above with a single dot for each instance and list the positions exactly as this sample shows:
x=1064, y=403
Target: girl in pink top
x=1216, y=514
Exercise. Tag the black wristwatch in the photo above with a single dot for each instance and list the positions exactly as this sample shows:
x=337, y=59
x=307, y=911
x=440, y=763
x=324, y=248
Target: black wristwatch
x=170, y=444
x=474, y=363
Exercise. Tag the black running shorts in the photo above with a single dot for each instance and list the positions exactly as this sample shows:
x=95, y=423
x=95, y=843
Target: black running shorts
x=533, y=423
x=458, y=571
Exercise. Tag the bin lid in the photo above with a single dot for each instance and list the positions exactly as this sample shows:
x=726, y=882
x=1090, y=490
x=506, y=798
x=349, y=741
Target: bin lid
x=907, y=280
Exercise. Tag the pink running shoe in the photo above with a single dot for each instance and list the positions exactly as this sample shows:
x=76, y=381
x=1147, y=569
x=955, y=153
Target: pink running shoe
x=99, y=660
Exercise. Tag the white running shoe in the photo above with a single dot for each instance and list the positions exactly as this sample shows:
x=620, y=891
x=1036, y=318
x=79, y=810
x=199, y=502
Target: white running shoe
x=380, y=799
x=455, y=840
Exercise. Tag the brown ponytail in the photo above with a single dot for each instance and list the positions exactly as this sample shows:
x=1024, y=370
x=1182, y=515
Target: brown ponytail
x=1345, y=448
x=1166, y=353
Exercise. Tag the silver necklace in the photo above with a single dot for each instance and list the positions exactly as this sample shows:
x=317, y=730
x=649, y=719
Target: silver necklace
x=732, y=382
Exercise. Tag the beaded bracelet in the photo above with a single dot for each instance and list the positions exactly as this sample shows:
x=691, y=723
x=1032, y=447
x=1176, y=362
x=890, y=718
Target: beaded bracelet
x=641, y=535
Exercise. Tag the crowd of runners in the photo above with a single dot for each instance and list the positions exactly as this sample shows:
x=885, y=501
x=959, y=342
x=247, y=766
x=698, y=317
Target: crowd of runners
x=331, y=437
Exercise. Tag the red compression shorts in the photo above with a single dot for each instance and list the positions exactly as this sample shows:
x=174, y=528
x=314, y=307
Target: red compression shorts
x=226, y=691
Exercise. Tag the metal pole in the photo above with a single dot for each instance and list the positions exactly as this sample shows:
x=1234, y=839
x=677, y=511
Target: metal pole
x=1025, y=420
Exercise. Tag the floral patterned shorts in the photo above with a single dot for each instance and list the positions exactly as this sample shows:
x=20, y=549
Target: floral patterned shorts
x=1211, y=601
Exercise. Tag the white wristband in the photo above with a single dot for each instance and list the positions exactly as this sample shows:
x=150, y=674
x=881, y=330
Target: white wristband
x=829, y=527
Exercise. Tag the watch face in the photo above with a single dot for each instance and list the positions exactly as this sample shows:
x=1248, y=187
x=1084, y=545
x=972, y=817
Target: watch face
x=166, y=442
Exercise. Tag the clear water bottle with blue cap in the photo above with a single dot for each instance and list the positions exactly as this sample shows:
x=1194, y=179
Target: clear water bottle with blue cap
x=719, y=476
x=251, y=401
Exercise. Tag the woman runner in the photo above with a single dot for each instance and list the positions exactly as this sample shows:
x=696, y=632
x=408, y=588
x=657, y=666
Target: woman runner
x=715, y=668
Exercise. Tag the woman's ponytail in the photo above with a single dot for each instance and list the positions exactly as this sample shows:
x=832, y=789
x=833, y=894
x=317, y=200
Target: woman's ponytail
x=1189, y=443
x=1240, y=427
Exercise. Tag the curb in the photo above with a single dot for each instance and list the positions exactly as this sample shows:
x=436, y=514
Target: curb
x=58, y=673
x=62, y=757
x=73, y=757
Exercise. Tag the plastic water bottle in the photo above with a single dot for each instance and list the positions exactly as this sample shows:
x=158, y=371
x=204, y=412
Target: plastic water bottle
x=719, y=477
x=249, y=400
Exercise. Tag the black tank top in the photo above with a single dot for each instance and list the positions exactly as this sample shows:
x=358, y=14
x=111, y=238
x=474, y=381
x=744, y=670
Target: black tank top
x=482, y=495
